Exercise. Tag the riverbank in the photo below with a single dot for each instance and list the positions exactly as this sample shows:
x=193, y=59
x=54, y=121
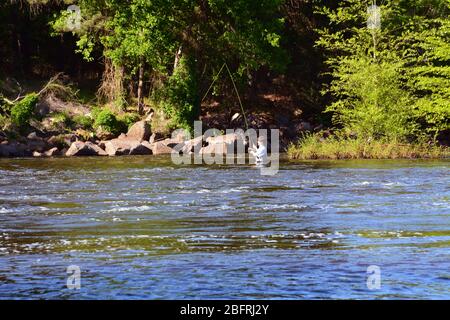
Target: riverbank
x=333, y=148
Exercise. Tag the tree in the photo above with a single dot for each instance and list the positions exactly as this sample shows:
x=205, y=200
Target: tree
x=382, y=77
x=426, y=42
x=156, y=33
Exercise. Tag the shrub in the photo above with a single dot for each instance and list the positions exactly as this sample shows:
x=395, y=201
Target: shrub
x=390, y=82
x=371, y=102
x=4, y=121
x=83, y=121
x=314, y=146
x=61, y=118
x=128, y=119
x=23, y=110
x=180, y=101
x=107, y=120
x=5, y=107
x=95, y=112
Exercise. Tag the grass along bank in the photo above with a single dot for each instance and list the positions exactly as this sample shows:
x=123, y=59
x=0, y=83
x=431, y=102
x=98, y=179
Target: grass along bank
x=316, y=147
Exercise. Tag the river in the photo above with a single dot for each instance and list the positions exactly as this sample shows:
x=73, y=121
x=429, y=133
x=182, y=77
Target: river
x=144, y=228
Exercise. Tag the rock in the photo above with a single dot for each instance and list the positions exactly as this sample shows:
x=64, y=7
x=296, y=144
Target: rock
x=192, y=146
x=14, y=149
x=141, y=149
x=37, y=154
x=181, y=136
x=161, y=148
x=101, y=144
x=152, y=138
x=216, y=148
x=156, y=136
x=52, y=152
x=33, y=136
x=5, y=150
x=62, y=140
x=171, y=143
x=147, y=144
x=102, y=134
x=118, y=147
x=37, y=145
x=177, y=140
x=139, y=131
x=79, y=148
x=227, y=138
x=223, y=144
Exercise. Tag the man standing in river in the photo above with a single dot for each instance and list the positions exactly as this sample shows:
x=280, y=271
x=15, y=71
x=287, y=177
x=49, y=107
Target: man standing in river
x=260, y=153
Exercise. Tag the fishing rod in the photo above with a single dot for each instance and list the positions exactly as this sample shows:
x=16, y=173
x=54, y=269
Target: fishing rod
x=225, y=65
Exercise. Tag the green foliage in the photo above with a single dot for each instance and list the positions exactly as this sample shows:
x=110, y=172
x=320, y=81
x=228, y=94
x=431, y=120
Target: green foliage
x=83, y=121
x=5, y=108
x=61, y=118
x=128, y=119
x=180, y=100
x=107, y=120
x=141, y=33
x=23, y=110
x=95, y=110
x=4, y=121
x=427, y=68
x=315, y=146
x=370, y=100
x=388, y=82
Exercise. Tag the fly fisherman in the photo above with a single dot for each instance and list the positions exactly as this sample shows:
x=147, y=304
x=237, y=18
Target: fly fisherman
x=260, y=153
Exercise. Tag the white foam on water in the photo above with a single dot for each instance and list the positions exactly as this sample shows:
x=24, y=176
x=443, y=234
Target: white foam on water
x=124, y=209
x=4, y=210
x=204, y=191
x=284, y=206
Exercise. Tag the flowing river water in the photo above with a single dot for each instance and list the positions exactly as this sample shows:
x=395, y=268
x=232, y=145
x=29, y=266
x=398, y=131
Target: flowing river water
x=142, y=227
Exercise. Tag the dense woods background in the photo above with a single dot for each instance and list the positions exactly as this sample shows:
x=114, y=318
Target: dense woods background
x=298, y=65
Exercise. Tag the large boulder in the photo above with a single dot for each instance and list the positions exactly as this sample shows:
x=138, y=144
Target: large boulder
x=161, y=148
x=103, y=134
x=192, y=146
x=79, y=148
x=227, y=138
x=13, y=149
x=36, y=143
x=140, y=131
x=52, y=152
x=141, y=149
x=221, y=148
x=61, y=140
x=224, y=144
x=118, y=147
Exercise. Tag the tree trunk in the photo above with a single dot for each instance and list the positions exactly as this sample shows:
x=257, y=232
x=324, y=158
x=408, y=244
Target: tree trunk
x=140, y=89
x=177, y=59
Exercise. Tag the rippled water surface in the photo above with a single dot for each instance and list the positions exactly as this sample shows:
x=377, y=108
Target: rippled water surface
x=141, y=227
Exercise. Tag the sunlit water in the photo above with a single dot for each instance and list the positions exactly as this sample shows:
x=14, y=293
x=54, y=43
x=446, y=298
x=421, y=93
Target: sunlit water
x=144, y=228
